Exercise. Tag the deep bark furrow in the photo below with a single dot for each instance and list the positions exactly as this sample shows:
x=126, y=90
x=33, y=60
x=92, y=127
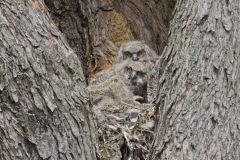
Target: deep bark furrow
x=43, y=89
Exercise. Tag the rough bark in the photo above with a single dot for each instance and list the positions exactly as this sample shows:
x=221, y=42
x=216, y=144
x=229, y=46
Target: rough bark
x=198, y=98
x=44, y=104
x=71, y=18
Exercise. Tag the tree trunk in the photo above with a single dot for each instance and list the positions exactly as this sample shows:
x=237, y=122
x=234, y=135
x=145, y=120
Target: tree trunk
x=44, y=104
x=199, y=93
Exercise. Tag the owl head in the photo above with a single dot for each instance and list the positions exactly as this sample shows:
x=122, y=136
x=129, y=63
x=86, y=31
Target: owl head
x=136, y=51
x=136, y=73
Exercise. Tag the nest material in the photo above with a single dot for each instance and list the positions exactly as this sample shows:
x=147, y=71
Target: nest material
x=125, y=130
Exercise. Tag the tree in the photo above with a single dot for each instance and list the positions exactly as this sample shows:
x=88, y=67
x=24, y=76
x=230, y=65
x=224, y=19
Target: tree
x=45, y=111
x=44, y=104
x=198, y=90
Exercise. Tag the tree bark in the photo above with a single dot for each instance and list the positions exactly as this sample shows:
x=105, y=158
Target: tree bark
x=44, y=104
x=199, y=90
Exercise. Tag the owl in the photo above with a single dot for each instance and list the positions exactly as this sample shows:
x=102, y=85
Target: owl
x=135, y=77
x=128, y=79
x=123, y=81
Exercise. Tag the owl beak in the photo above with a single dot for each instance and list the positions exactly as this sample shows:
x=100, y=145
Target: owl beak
x=140, y=81
x=133, y=75
x=135, y=57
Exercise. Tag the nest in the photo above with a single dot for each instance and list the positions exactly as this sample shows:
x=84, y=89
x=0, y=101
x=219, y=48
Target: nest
x=125, y=130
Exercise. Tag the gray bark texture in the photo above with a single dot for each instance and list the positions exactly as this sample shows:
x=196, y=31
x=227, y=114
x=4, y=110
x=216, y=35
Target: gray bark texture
x=44, y=104
x=198, y=102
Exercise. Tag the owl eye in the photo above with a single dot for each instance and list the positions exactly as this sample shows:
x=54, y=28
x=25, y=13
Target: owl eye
x=140, y=53
x=129, y=69
x=141, y=73
x=126, y=55
x=128, y=72
x=129, y=54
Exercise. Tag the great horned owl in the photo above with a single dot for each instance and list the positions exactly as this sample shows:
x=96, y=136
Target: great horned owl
x=123, y=81
x=137, y=51
x=135, y=77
